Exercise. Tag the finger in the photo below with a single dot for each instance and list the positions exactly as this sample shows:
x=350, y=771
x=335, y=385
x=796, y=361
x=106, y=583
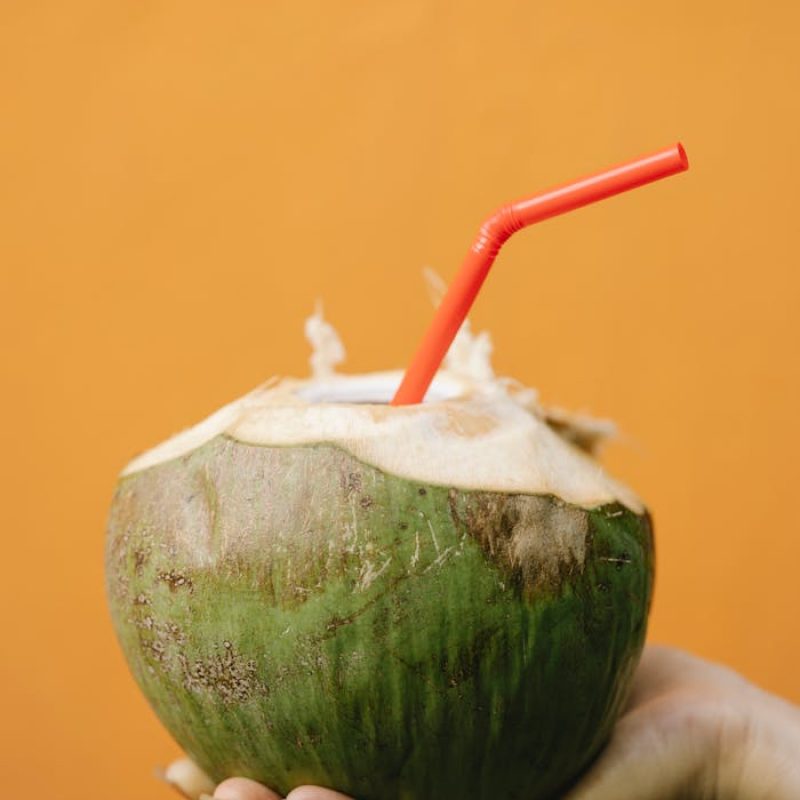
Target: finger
x=315, y=793
x=654, y=754
x=658, y=671
x=665, y=669
x=243, y=789
x=185, y=776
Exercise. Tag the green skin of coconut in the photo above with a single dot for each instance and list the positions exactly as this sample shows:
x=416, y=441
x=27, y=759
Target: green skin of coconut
x=297, y=616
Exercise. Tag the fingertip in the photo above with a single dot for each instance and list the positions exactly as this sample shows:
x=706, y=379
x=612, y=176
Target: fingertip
x=315, y=793
x=185, y=776
x=243, y=789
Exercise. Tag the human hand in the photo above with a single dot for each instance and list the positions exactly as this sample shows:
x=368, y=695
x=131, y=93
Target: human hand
x=194, y=784
x=697, y=729
x=691, y=728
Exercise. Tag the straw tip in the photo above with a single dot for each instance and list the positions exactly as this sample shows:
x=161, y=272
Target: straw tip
x=682, y=157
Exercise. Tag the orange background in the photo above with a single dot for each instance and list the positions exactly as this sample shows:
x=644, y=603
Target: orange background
x=180, y=181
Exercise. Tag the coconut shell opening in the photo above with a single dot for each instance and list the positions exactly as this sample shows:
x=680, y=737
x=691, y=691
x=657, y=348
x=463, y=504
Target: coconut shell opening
x=372, y=389
x=468, y=434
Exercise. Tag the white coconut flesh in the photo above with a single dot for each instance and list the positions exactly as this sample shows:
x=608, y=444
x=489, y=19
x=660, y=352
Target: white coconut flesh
x=470, y=433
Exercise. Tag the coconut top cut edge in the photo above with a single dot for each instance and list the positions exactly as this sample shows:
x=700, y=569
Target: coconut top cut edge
x=469, y=435
x=474, y=431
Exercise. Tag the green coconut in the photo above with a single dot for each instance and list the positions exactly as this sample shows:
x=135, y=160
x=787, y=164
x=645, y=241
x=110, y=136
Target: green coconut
x=445, y=600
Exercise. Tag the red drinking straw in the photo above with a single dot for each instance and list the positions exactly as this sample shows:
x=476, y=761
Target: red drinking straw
x=493, y=234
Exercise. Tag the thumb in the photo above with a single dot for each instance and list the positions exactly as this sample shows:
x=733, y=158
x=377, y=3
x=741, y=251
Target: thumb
x=655, y=754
